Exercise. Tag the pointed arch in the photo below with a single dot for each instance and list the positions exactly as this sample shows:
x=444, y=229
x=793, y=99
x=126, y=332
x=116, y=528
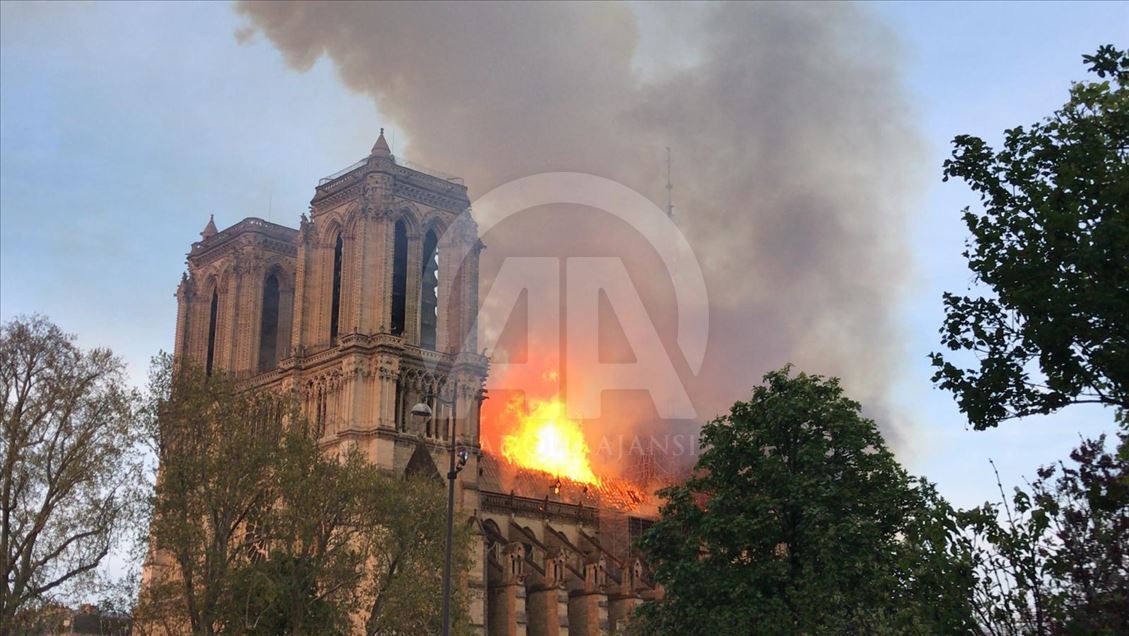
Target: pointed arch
x=429, y=291
x=399, y=277
x=351, y=219
x=331, y=228
x=283, y=273
x=433, y=221
x=492, y=531
x=213, y=316
x=408, y=213
x=269, y=322
x=335, y=301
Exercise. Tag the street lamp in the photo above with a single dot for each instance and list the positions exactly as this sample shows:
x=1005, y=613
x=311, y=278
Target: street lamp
x=459, y=458
x=422, y=410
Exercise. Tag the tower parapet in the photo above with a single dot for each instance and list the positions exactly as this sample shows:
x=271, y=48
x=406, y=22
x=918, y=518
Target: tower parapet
x=367, y=309
x=363, y=311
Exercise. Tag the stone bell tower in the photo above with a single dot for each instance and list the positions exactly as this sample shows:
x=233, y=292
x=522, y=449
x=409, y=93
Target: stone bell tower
x=365, y=310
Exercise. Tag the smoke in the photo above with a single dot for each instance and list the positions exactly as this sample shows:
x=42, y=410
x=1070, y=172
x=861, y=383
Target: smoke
x=793, y=145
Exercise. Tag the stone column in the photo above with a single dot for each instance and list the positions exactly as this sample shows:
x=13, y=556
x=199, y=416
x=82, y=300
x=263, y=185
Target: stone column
x=475, y=579
x=183, y=318
x=249, y=270
x=226, y=313
x=378, y=275
x=506, y=598
x=358, y=264
x=471, y=303
x=450, y=256
x=620, y=608
x=286, y=310
x=299, y=332
x=375, y=253
x=352, y=394
x=588, y=604
x=547, y=601
x=412, y=288
x=385, y=408
x=588, y=614
x=624, y=600
x=320, y=290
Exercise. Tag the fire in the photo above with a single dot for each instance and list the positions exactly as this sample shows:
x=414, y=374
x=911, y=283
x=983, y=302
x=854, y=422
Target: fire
x=545, y=439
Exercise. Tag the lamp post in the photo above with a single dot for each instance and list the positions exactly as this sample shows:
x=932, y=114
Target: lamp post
x=424, y=411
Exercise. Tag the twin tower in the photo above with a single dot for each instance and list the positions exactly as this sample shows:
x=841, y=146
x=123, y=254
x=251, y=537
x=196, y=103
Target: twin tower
x=368, y=309
x=365, y=310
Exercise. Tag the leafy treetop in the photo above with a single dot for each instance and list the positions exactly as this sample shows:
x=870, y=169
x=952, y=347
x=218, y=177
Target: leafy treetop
x=800, y=520
x=1052, y=246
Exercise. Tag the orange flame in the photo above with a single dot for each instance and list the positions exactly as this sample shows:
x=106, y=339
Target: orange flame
x=545, y=439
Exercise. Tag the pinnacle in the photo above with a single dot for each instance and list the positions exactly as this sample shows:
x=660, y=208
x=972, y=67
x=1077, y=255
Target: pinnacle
x=381, y=146
x=210, y=229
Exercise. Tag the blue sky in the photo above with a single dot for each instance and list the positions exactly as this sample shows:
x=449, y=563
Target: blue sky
x=980, y=69
x=123, y=126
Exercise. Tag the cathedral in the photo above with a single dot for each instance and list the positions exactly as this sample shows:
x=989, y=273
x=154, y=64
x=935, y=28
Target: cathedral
x=368, y=309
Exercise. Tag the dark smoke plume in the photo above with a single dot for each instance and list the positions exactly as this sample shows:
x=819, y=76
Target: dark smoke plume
x=794, y=153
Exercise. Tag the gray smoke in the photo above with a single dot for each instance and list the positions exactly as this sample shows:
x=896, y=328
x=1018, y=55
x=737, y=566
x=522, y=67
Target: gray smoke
x=794, y=148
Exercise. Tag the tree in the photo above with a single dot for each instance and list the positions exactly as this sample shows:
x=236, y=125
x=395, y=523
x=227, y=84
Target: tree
x=69, y=464
x=311, y=543
x=217, y=446
x=1058, y=562
x=1050, y=245
x=403, y=586
x=799, y=519
x=256, y=529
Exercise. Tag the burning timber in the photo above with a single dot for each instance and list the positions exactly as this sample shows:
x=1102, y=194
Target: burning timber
x=367, y=309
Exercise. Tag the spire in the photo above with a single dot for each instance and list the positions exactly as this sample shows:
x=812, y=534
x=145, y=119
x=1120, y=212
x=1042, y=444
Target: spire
x=380, y=148
x=209, y=229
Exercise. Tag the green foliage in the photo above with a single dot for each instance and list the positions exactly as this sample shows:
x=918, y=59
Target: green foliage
x=70, y=467
x=404, y=580
x=255, y=529
x=1058, y=560
x=217, y=447
x=800, y=520
x=1051, y=246
x=280, y=596
x=310, y=543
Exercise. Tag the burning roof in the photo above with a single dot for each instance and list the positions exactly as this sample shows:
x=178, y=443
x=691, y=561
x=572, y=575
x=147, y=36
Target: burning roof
x=500, y=476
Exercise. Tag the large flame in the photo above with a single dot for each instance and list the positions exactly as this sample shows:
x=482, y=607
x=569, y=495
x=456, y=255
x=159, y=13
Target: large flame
x=545, y=439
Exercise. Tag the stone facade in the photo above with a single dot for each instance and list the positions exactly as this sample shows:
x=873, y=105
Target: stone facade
x=354, y=313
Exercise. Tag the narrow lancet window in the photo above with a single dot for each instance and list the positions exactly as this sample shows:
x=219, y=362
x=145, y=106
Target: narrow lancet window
x=335, y=311
x=268, y=325
x=429, y=292
x=399, y=277
x=212, y=332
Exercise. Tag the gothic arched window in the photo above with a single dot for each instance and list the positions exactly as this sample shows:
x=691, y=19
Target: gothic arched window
x=268, y=324
x=335, y=311
x=429, y=292
x=399, y=277
x=212, y=332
